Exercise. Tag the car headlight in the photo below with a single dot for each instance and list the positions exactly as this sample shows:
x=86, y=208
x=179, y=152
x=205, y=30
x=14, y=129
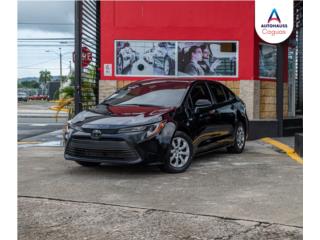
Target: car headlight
x=151, y=130
x=69, y=126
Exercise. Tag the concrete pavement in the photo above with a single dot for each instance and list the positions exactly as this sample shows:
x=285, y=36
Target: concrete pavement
x=54, y=219
x=253, y=195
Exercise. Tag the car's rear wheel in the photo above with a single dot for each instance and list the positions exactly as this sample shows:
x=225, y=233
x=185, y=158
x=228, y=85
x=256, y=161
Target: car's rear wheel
x=239, y=139
x=88, y=164
x=180, y=154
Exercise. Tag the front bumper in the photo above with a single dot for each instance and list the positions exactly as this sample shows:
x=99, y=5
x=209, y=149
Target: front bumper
x=118, y=149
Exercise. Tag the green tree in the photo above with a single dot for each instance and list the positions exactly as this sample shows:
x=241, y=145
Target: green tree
x=45, y=77
x=29, y=84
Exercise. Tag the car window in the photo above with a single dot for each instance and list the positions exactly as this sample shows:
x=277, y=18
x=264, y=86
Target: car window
x=199, y=91
x=229, y=94
x=218, y=93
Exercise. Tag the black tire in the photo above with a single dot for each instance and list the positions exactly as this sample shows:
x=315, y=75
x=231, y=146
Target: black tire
x=88, y=164
x=168, y=163
x=238, y=146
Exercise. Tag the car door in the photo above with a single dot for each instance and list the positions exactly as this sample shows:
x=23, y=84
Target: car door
x=200, y=122
x=224, y=115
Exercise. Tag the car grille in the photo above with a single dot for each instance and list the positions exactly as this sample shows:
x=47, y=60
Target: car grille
x=101, y=149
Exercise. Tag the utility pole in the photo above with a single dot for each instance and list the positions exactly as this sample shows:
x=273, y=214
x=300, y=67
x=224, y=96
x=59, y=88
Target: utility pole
x=60, y=67
x=70, y=67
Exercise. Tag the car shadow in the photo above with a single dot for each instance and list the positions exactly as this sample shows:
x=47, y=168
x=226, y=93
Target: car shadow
x=143, y=169
x=103, y=169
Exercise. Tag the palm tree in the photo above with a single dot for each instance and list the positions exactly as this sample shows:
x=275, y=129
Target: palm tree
x=88, y=90
x=45, y=77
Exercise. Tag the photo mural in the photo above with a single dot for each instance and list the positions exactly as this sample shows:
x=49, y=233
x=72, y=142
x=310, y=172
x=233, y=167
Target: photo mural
x=176, y=58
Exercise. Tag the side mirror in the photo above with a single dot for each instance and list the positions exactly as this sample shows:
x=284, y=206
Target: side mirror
x=201, y=104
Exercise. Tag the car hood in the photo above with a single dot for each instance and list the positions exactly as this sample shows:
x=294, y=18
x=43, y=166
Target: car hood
x=114, y=117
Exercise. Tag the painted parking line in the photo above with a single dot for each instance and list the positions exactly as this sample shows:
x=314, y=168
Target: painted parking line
x=39, y=125
x=28, y=142
x=288, y=150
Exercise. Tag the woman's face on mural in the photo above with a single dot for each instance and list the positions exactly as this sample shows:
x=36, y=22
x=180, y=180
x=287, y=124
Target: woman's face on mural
x=197, y=54
x=206, y=53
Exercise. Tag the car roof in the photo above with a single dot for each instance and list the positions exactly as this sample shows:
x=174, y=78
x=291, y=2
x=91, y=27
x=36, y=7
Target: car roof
x=188, y=81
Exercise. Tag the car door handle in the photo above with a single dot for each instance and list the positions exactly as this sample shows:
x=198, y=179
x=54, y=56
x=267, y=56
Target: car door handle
x=213, y=111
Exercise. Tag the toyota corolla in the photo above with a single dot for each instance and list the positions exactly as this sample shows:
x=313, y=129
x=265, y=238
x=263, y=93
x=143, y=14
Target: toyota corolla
x=158, y=121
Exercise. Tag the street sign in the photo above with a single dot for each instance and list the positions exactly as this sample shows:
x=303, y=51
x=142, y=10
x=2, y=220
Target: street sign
x=86, y=56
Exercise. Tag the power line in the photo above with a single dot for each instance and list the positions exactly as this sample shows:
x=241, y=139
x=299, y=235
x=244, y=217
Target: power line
x=35, y=64
x=43, y=39
x=43, y=23
x=44, y=68
x=44, y=45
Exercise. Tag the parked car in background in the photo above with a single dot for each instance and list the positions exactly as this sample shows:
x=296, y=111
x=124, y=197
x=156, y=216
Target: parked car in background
x=39, y=97
x=162, y=121
x=22, y=96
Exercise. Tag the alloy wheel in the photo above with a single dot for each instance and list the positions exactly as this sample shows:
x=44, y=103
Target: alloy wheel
x=240, y=138
x=180, y=152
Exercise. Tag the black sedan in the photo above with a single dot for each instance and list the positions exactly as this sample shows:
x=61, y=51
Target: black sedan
x=159, y=121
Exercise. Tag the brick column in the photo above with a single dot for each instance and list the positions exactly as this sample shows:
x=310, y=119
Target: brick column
x=250, y=94
x=106, y=88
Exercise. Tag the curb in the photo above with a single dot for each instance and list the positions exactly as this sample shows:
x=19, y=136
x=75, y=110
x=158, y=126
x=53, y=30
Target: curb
x=285, y=148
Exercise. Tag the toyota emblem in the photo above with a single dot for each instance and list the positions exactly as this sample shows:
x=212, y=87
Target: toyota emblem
x=96, y=134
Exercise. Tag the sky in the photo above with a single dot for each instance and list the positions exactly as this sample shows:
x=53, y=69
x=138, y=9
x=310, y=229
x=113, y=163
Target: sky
x=38, y=20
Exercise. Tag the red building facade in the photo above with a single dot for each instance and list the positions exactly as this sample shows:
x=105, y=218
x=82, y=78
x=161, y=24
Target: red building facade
x=136, y=36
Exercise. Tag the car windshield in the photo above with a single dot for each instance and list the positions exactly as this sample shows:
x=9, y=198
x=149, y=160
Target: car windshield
x=163, y=94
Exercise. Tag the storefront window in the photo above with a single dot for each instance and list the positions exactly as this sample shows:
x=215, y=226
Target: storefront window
x=267, y=61
x=176, y=58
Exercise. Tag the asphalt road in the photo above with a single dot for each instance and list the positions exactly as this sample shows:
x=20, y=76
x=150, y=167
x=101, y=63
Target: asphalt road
x=35, y=118
x=30, y=127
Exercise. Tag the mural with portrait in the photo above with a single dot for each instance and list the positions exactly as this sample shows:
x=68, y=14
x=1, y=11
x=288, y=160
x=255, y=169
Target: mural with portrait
x=199, y=58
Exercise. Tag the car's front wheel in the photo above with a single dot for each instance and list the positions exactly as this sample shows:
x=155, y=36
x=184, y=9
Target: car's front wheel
x=88, y=164
x=239, y=139
x=180, y=154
